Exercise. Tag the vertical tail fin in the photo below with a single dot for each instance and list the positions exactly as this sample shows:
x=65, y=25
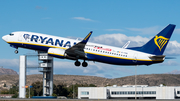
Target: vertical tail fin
x=158, y=43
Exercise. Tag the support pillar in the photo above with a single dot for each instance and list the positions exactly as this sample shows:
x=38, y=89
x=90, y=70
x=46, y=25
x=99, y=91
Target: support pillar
x=22, y=77
x=47, y=68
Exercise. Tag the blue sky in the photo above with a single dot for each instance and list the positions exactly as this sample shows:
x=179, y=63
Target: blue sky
x=112, y=22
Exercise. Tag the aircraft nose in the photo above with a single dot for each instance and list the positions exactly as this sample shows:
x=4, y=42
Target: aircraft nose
x=4, y=38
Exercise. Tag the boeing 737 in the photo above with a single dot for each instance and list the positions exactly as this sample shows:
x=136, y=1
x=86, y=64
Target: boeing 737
x=65, y=48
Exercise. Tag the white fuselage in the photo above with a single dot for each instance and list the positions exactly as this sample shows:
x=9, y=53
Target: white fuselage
x=93, y=51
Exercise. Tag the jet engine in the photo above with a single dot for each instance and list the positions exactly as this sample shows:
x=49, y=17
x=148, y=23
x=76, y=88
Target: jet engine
x=57, y=52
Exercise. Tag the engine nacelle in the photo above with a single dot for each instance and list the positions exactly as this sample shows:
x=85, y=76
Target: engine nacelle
x=57, y=52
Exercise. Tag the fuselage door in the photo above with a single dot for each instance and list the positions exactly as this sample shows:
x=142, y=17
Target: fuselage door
x=20, y=37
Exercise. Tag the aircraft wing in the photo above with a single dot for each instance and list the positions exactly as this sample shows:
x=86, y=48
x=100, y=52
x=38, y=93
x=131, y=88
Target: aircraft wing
x=78, y=49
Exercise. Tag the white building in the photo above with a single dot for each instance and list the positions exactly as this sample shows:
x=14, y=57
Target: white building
x=128, y=92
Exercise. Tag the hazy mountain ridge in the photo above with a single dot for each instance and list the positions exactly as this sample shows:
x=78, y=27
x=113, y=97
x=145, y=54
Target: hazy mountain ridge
x=4, y=71
x=151, y=80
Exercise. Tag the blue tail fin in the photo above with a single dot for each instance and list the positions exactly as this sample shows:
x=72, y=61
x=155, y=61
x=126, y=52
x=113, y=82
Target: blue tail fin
x=158, y=43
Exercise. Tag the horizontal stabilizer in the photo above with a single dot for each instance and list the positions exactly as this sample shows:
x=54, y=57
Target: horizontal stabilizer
x=157, y=57
x=170, y=58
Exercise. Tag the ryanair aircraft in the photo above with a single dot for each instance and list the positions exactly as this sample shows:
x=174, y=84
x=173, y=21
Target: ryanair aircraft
x=64, y=48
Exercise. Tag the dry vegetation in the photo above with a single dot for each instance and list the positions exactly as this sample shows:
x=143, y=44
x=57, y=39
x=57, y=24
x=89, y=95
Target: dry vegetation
x=151, y=80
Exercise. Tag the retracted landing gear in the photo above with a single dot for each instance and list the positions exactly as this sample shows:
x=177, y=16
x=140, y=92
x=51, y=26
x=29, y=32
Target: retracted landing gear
x=77, y=63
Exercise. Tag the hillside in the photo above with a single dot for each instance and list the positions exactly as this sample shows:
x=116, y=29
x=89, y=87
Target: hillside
x=151, y=80
x=4, y=71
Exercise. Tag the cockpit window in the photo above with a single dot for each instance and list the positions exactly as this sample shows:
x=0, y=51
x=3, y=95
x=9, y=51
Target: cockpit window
x=11, y=34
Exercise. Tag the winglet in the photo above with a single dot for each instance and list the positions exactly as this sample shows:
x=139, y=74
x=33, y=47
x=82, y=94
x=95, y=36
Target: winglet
x=126, y=45
x=85, y=40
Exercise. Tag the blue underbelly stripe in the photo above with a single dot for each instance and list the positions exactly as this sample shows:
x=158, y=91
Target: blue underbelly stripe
x=93, y=57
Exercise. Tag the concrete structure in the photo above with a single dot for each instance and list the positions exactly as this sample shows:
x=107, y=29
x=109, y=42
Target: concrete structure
x=46, y=64
x=128, y=92
x=47, y=68
x=22, y=76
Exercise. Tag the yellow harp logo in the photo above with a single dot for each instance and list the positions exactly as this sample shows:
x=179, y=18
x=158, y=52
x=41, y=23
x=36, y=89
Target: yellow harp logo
x=160, y=41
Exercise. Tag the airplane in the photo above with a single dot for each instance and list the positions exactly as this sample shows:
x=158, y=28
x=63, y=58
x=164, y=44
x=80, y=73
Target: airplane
x=65, y=48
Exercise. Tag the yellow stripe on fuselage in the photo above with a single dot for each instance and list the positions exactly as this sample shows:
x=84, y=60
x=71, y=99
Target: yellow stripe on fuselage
x=56, y=54
x=85, y=52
